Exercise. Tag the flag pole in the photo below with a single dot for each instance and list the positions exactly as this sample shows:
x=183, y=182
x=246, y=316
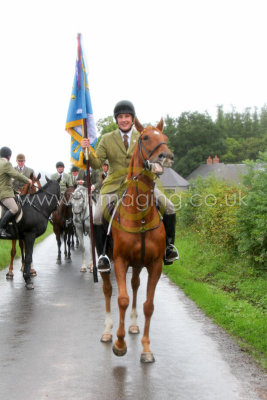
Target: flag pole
x=85, y=135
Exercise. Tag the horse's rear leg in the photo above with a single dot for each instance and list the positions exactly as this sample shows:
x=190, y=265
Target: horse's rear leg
x=10, y=273
x=135, y=282
x=120, y=347
x=153, y=276
x=107, y=289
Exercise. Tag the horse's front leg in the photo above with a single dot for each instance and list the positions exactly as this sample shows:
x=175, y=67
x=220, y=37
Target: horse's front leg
x=90, y=264
x=107, y=289
x=10, y=273
x=154, y=273
x=135, y=282
x=81, y=238
x=120, y=347
x=29, y=243
x=58, y=248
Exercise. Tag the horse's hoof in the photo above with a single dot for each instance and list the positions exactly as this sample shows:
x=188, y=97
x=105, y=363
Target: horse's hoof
x=133, y=329
x=106, y=338
x=29, y=286
x=119, y=352
x=33, y=272
x=83, y=269
x=9, y=276
x=147, y=358
x=59, y=262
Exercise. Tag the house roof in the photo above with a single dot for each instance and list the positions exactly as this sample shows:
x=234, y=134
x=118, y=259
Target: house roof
x=170, y=178
x=228, y=172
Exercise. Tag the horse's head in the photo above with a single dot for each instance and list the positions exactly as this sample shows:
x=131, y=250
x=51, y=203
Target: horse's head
x=153, y=150
x=79, y=202
x=67, y=195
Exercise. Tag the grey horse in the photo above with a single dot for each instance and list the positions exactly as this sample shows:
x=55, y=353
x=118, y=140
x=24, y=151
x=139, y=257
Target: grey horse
x=81, y=220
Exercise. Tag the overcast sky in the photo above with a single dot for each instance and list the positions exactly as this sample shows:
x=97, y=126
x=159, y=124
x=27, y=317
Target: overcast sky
x=165, y=56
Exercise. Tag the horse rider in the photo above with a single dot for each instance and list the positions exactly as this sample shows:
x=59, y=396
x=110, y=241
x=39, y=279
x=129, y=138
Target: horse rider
x=65, y=179
x=117, y=147
x=22, y=169
x=74, y=175
x=7, y=172
x=105, y=168
x=95, y=180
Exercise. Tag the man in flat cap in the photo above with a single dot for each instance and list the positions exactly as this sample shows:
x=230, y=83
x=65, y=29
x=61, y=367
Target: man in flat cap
x=22, y=169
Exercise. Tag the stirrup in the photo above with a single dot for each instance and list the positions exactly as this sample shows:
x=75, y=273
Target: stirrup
x=103, y=264
x=4, y=234
x=172, y=249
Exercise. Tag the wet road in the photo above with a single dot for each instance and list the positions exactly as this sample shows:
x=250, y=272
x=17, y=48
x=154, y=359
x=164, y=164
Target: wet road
x=51, y=349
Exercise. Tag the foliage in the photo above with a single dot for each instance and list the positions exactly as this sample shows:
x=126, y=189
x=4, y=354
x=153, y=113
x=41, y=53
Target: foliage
x=233, y=137
x=226, y=287
x=251, y=232
x=106, y=125
x=210, y=206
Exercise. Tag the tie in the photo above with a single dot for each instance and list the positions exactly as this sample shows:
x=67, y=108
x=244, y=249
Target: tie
x=125, y=141
x=20, y=170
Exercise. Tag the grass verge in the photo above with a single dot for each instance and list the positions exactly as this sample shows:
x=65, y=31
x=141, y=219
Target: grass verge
x=5, y=247
x=229, y=290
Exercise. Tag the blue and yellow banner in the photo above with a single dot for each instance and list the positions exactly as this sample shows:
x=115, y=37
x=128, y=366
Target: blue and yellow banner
x=80, y=108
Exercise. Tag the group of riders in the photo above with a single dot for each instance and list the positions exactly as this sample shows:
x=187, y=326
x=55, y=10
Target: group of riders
x=113, y=154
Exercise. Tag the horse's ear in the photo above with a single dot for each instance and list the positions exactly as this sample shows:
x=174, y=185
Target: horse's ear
x=138, y=125
x=47, y=179
x=160, y=125
x=31, y=175
x=39, y=176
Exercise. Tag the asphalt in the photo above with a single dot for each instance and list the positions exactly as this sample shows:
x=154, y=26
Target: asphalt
x=51, y=349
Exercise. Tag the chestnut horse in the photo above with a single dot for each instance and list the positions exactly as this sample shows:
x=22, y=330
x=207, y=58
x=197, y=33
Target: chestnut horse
x=138, y=237
x=26, y=189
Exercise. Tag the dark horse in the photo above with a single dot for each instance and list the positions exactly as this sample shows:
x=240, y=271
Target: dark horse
x=63, y=224
x=36, y=209
x=139, y=236
x=26, y=189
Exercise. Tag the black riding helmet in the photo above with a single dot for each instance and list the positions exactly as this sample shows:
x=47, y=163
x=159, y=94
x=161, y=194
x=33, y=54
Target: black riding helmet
x=5, y=152
x=60, y=164
x=124, y=107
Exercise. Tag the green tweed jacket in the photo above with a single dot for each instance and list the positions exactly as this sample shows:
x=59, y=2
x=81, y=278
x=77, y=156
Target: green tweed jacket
x=66, y=179
x=111, y=148
x=17, y=185
x=7, y=172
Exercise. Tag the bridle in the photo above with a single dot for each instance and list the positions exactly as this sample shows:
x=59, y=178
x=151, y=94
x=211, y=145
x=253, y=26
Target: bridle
x=147, y=164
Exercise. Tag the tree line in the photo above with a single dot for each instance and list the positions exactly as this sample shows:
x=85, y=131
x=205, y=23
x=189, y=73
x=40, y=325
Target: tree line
x=233, y=136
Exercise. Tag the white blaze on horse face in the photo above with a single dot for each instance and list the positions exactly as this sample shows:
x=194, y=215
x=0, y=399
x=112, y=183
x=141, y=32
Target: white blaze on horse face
x=156, y=132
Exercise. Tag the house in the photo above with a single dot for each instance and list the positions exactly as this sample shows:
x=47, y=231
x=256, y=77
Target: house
x=231, y=173
x=173, y=181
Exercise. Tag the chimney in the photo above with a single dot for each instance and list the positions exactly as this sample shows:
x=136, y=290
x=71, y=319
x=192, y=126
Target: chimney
x=216, y=160
x=209, y=160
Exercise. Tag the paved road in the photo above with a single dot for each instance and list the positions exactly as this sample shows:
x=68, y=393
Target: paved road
x=50, y=347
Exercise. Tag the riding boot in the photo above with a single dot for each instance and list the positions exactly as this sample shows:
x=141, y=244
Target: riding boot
x=171, y=253
x=103, y=264
x=3, y=223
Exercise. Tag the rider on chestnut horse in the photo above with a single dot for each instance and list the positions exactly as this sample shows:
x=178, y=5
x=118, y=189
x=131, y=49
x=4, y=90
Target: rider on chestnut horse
x=117, y=147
